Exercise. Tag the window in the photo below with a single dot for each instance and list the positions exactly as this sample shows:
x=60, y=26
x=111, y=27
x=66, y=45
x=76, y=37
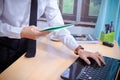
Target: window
x=88, y=11
x=68, y=9
x=82, y=12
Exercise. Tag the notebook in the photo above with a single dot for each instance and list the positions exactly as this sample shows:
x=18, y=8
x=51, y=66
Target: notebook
x=79, y=70
x=56, y=27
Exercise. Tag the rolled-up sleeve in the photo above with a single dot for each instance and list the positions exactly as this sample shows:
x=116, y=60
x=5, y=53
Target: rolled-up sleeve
x=54, y=18
x=8, y=30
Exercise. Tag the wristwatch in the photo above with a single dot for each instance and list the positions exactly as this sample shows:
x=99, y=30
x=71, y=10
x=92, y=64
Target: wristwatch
x=77, y=49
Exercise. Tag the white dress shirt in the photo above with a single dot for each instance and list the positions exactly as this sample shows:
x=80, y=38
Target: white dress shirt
x=14, y=15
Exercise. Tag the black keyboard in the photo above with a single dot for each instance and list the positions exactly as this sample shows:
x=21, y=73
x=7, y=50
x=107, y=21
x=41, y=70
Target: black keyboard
x=94, y=72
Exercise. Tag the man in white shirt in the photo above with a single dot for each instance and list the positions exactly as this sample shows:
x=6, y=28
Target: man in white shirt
x=14, y=23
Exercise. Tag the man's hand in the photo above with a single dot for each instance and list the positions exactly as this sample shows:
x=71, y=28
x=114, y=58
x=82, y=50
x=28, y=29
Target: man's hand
x=32, y=32
x=96, y=56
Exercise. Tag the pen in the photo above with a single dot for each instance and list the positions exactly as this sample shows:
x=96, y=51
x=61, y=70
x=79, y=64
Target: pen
x=106, y=28
x=111, y=27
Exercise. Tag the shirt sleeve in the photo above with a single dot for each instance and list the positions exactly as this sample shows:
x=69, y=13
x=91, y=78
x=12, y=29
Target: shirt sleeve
x=7, y=30
x=54, y=18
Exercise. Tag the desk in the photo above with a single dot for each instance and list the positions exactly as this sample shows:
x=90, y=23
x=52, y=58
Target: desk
x=51, y=60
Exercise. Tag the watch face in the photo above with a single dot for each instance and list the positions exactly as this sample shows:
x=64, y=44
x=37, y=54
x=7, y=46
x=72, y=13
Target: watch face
x=77, y=49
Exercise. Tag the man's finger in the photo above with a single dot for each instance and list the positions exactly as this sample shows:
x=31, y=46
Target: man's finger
x=101, y=58
x=86, y=60
x=96, y=59
x=43, y=33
